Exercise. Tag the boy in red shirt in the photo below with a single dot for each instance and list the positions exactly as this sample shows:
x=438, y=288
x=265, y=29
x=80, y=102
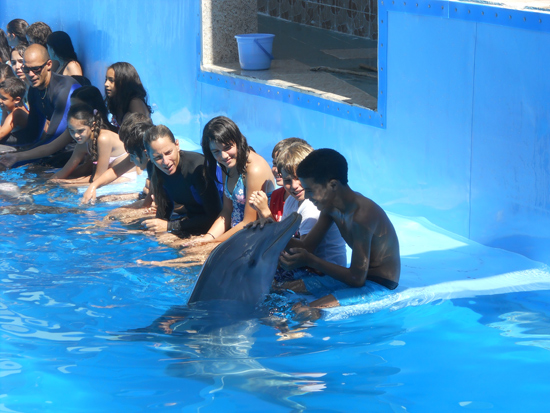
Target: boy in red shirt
x=273, y=207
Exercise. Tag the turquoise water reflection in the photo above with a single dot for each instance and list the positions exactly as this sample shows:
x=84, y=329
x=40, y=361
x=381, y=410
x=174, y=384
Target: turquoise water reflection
x=84, y=328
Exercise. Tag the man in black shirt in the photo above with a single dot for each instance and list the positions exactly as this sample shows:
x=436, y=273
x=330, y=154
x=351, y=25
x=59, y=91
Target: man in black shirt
x=48, y=97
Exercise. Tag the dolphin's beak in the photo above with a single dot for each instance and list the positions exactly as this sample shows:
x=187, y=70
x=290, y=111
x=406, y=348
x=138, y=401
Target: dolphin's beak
x=284, y=232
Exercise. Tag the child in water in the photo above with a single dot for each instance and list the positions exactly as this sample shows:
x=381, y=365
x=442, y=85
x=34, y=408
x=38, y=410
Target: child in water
x=244, y=172
x=131, y=134
x=258, y=200
x=375, y=262
x=332, y=247
x=14, y=113
x=93, y=139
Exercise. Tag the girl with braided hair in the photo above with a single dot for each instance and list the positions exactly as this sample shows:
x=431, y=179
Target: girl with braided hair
x=95, y=141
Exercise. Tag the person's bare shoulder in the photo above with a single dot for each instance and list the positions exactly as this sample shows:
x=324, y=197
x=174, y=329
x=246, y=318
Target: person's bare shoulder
x=107, y=135
x=367, y=213
x=254, y=167
x=73, y=69
x=104, y=137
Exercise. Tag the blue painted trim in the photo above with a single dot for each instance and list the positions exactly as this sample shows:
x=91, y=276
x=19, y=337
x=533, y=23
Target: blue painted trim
x=527, y=19
x=294, y=97
x=480, y=13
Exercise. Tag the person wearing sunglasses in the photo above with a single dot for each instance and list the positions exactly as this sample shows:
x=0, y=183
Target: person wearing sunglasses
x=48, y=98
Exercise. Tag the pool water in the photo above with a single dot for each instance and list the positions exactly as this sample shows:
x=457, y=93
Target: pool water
x=86, y=329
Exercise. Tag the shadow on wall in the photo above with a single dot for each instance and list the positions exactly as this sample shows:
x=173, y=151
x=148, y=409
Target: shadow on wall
x=536, y=248
x=92, y=57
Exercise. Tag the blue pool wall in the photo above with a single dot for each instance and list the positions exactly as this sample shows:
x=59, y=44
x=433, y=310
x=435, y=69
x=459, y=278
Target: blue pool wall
x=464, y=139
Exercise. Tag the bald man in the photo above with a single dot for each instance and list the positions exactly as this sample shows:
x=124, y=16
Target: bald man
x=48, y=97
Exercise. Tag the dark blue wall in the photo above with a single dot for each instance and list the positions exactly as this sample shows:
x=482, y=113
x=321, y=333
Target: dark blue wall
x=466, y=138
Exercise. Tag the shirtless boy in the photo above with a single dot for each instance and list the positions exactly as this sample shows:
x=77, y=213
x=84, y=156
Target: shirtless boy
x=362, y=223
x=14, y=113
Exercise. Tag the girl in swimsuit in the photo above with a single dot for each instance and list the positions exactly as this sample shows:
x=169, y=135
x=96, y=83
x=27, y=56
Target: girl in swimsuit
x=244, y=171
x=124, y=92
x=93, y=140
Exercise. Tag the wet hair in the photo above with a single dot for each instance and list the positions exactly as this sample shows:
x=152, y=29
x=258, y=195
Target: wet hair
x=291, y=156
x=19, y=28
x=128, y=86
x=94, y=120
x=6, y=71
x=151, y=135
x=60, y=42
x=157, y=132
x=5, y=49
x=224, y=131
x=92, y=97
x=38, y=33
x=132, y=132
x=283, y=144
x=324, y=165
x=14, y=87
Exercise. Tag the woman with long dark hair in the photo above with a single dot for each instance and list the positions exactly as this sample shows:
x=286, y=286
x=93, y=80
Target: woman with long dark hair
x=5, y=49
x=17, y=32
x=244, y=172
x=60, y=47
x=124, y=92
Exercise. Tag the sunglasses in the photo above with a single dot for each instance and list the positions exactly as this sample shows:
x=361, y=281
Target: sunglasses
x=36, y=69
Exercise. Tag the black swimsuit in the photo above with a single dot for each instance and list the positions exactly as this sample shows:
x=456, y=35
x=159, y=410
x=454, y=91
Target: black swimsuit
x=188, y=187
x=50, y=104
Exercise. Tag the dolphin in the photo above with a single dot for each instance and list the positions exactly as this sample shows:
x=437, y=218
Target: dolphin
x=6, y=149
x=211, y=338
x=214, y=342
x=243, y=267
x=11, y=192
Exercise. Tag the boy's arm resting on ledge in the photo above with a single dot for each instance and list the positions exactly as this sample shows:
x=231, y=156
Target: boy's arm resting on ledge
x=354, y=276
x=314, y=237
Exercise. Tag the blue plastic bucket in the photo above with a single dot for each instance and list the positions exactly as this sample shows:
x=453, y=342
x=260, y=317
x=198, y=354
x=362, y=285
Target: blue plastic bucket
x=255, y=50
